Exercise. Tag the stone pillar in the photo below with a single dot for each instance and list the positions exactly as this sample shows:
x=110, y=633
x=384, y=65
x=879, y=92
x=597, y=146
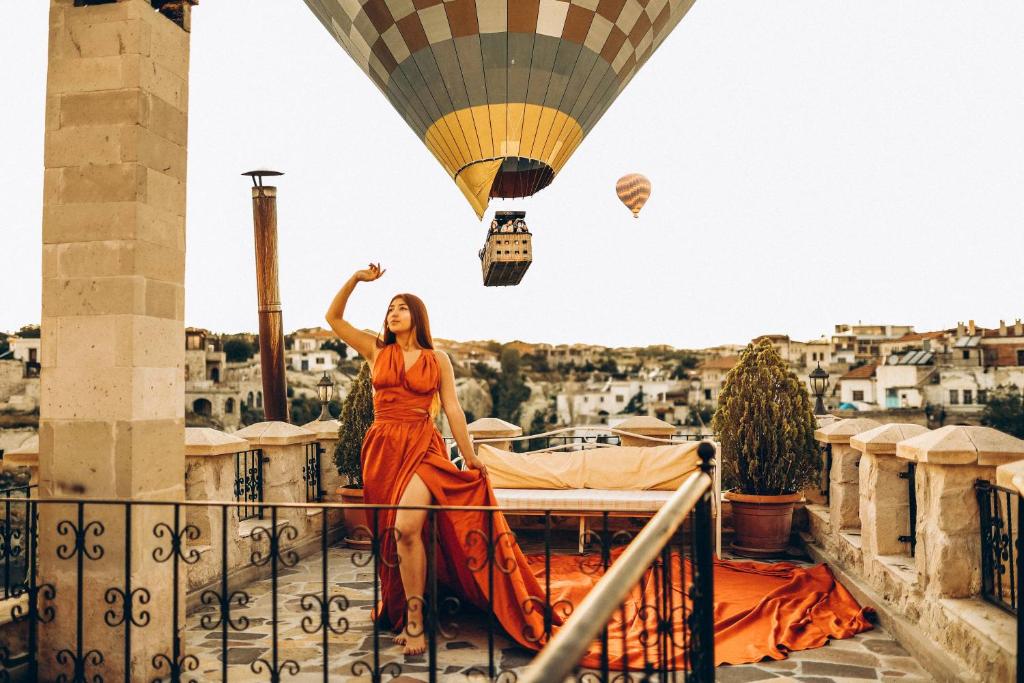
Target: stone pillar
x=493, y=428
x=640, y=426
x=949, y=461
x=112, y=394
x=844, y=476
x=25, y=455
x=884, y=495
x=284, y=456
x=210, y=475
x=326, y=434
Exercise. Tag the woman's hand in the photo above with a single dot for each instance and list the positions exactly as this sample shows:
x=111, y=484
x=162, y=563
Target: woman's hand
x=368, y=274
x=476, y=464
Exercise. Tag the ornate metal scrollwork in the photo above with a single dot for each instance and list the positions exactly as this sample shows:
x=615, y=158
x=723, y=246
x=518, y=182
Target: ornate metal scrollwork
x=189, y=532
x=289, y=666
x=116, y=596
x=92, y=658
x=311, y=602
x=561, y=608
x=66, y=527
x=361, y=668
x=176, y=670
x=237, y=598
x=275, y=537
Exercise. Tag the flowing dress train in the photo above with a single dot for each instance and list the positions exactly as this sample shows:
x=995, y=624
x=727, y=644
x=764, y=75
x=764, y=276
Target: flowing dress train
x=761, y=610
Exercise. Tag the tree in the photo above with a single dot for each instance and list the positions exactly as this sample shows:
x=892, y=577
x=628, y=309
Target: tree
x=636, y=403
x=4, y=344
x=356, y=417
x=336, y=345
x=305, y=409
x=686, y=363
x=766, y=425
x=238, y=350
x=608, y=365
x=28, y=332
x=1005, y=411
x=509, y=391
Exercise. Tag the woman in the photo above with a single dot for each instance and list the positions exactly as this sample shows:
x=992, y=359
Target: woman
x=404, y=462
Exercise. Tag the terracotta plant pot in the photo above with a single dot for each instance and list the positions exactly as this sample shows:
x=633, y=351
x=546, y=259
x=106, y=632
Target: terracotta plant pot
x=355, y=518
x=762, y=524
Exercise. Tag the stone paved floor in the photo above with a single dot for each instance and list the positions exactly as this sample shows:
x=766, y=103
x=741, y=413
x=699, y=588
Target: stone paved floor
x=870, y=656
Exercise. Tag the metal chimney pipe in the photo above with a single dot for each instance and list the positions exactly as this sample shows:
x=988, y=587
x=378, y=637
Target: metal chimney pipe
x=264, y=219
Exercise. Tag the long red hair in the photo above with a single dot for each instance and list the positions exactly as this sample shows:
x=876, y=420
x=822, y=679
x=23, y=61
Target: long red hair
x=420, y=323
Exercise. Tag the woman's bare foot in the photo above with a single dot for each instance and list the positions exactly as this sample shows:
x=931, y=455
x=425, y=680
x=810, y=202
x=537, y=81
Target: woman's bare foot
x=412, y=644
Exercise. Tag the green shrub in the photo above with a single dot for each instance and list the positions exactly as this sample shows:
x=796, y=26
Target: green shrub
x=766, y=425
x=356, y=417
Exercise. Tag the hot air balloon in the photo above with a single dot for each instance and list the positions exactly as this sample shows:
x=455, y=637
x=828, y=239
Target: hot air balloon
x=501, y=92
x=634, y=190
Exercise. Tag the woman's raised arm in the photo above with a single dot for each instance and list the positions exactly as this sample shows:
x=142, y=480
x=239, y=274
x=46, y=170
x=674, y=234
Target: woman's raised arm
x=364, y=343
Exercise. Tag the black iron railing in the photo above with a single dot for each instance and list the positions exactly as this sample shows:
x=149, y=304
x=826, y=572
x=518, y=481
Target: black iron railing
x=15, y=535
x=910, y=474
x=1000, y=544
x=249, y=483
x=311, y=473
x=176, y=593
x=826, y=474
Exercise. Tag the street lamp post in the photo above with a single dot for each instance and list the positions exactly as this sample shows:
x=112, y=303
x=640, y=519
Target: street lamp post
x=264, y=219
x=325, y=392
x=695, y=385
x=819, y=383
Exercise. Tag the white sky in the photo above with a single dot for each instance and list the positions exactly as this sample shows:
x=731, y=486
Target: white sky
x=813, y=162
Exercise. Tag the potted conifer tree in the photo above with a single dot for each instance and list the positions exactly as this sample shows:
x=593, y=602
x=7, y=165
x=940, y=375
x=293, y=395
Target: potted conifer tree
x=356, y=417
x=765, y=424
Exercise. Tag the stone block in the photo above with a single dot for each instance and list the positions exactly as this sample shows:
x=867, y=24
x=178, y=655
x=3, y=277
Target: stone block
x=884, y=505
x=155, y=153
x=166, y=120
x=844, y=488
x=78, y=75
x=169, y=50
x=83, y=146
x=164, y=192
x=52, y=113
x=164, y=83
x=105, y=108
x=76, y=457
x=150, y=456
x=161, y=227
x=948, y=520
x=165, y=300
x=52, y=181
x=99, y=258
x=86, y=222
x=51, y=259
x=77, y=37
x=144, y=341
x=103, y=183
x=124, y=294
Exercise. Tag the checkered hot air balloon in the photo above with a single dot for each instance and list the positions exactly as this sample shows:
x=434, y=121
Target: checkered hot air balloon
x=634, y=190
x=501, y=92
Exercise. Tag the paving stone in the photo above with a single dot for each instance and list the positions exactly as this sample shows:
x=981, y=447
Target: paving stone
x=884, y=647
x=779, y=665
x=839, y=670
x=838, y=656
x=814, y=679
x=741, y=674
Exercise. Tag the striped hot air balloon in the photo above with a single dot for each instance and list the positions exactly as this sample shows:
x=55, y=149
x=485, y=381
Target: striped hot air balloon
x=634, y=190
x=500, y=91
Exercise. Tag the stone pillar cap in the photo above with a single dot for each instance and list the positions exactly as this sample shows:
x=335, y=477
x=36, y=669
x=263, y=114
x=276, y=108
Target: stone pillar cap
x=882, y=440
x=487, y=427
x=324, y=429
x=1011, y=476
x=962, y=445
x=207, y=441
x=275, y=434
x=841, y=431
x=645, y=424
x=29, y=447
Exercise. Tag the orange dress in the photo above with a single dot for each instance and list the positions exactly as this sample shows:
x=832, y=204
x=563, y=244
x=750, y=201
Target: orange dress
x=761, y=610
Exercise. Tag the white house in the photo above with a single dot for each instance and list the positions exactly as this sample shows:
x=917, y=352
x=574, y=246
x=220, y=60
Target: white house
x=312, y=361
x=858, y=386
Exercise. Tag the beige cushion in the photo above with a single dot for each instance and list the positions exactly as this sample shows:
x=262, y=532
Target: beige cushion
x=633, y=468
x=577, y=500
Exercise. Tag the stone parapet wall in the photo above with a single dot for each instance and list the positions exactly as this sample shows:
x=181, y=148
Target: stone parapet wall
x=924, y=577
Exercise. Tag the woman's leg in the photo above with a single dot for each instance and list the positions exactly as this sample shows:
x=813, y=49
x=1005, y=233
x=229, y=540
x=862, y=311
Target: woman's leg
x=413, y=563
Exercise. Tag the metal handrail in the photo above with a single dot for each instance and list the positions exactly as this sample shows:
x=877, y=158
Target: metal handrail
x=557, y=660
